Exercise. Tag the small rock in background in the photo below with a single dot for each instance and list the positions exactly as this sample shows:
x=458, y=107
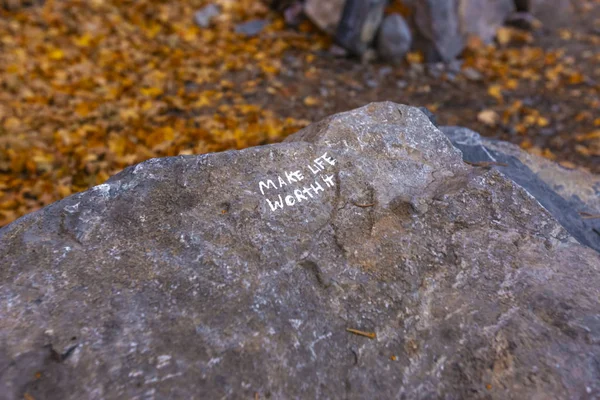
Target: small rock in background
x=293, y=13
x=436, y=70
x=472, y=74
x=416, y=69
x=523, y=20
x=442, y=26
x=338, y=51
x=353, y=23
x=372, y=83
x=325, y=14
x=385, y=71
x=455, y=66
x=482, y=18
x=205, y=15
x=252, y=27
x=430, y=115
x=359, y=25
x=488, y=117
x=439, y=29
x=394, y=39
x=368, y=56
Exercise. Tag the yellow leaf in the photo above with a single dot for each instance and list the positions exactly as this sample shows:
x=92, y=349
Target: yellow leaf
x=129, y=114
x=414, y=57
x=311, y=101
x=43, y=162
x=12, y=69
x=496, y=92
x=153, y=30
x=567, y=164
x=190, y=34
x=269, y=69
x=11, y=123
x=526, y=144
x=576, y=78
x=504, y=35
x=584, y=151
x=565, y=34
x=84, y=40
x=64, y=190
x=512, y=84
x=151, y=91
x=84, y=109
x=530, y=120
x=56, y=54
x=101, y=177
x=542, y=122
x=588, y=136
x=117, y=144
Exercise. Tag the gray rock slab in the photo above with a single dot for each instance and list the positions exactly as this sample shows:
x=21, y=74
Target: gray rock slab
x=564, y=193
x=191, y=277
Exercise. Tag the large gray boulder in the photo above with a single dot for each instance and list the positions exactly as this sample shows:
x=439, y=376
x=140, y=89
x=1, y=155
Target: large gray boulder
x=237, y=275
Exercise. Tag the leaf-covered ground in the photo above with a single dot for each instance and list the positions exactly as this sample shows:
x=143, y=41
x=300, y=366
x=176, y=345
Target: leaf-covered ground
x=90, y=87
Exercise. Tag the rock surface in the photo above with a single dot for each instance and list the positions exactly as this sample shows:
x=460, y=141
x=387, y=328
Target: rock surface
x=438, y=29
x=444, y=25
x=325, y=14
x=394, y=39
x=359, y=24
x=176, y=277
x=523, y=20
x=565, y=193
x=482, y=18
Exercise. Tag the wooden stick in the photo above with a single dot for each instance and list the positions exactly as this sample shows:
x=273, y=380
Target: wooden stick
x=370, y=335
x=486, y=163
x=586, y=215
x=364, y=205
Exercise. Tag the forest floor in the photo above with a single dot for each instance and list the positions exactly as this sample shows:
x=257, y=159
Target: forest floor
x=90, y=87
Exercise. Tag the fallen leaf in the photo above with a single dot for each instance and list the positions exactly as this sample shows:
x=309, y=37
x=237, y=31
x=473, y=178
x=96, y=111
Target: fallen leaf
x=311, y=101
x=488, y=117
x=496, y=92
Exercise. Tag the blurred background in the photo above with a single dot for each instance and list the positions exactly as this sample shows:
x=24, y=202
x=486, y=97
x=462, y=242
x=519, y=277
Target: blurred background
x=88, y=88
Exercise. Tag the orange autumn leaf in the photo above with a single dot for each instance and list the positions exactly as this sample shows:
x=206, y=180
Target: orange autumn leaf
x=496, y=92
